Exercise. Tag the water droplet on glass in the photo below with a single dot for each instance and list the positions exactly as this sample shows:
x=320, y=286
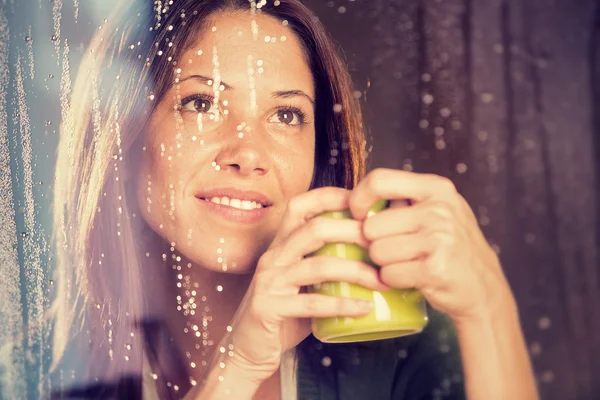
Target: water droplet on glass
x=23, y=234
x=544, y=323
x=427, y=98
x=535, y=348
x=487, y=98
x=51, y=282
x=53, y=38
x=547, y=376
x=28, y=38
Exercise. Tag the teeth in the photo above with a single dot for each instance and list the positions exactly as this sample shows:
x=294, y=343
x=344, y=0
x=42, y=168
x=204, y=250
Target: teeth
x=236, y=203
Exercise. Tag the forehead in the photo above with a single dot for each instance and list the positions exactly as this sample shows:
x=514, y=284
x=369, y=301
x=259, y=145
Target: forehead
x=237, y=43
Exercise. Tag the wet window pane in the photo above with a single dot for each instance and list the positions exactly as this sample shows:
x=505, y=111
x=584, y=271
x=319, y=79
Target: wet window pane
x=345, y=199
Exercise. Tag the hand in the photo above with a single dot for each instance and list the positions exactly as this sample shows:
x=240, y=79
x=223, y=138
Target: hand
x=274, y=315
x=434, y=245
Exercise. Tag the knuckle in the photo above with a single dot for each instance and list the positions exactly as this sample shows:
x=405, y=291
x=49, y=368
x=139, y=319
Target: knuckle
x=317, y=226
x=279, y=280
x=443, y=236
x=294, y=205
x=446, y=184
x=316, y=266
x=441, y=210
x=354, y=268
x=341, y=304
x=368, y=229
x=375, y=253
x=375, y=178
x=311, y=304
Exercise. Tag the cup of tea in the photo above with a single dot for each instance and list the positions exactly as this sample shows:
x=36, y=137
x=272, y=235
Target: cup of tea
x=395, y=313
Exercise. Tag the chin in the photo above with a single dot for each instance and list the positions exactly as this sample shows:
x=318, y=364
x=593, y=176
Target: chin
x=229, y=262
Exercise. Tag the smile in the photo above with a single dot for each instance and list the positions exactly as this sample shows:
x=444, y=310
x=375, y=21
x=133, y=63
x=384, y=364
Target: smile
x=235, y=203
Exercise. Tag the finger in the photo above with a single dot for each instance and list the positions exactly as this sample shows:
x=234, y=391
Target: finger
x=394, y=184
x=403, y=219
x=307, y=205
x=400, y=248
x=320, y=269
x=312, y=305
x=314, y=234
x=405, y=275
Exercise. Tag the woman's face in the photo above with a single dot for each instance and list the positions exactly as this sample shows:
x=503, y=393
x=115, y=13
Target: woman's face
x=236, y=128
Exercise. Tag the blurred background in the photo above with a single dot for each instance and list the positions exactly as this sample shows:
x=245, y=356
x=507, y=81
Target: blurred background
x=502, y=96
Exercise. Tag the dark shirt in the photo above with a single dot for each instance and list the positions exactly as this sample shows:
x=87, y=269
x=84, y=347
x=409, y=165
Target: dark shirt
x=416, y=367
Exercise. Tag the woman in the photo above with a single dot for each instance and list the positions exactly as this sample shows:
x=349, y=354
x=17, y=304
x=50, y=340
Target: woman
x=200, y=141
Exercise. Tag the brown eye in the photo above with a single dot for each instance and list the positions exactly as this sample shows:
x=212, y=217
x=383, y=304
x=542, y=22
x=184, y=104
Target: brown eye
x=202, y=105
x=199, y=104
x=285, y=116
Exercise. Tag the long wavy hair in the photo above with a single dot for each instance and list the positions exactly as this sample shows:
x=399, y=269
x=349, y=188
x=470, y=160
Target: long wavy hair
x=124, y=74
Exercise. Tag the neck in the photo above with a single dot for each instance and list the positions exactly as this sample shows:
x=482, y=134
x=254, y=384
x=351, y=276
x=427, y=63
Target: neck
x=196, y=305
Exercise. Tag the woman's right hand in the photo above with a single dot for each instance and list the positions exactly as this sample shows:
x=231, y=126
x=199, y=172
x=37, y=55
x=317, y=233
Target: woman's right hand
x=274, y=316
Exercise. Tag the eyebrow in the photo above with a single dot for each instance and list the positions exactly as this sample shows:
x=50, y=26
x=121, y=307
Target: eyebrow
x=205, y=80
x=292, y=93
x=278, y=94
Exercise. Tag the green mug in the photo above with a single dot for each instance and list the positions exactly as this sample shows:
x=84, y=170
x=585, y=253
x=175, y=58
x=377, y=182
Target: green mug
x=395, y=313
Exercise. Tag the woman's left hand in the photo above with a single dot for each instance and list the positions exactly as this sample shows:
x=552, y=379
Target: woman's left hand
x=434, y=245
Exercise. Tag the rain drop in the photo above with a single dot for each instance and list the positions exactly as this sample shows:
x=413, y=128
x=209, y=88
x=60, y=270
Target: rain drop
x=547, y=376
x=535, y=348
x=544, y=323
x=23, y=234
x=53, y=38
x=427, y=98
x=28, y=38
x=487, y=98
x=326, y=361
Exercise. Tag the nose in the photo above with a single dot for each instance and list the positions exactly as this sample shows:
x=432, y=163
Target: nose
x=244, y=156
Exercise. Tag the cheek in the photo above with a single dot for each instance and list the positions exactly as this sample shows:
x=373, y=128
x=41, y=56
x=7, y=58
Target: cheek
x=298, y=171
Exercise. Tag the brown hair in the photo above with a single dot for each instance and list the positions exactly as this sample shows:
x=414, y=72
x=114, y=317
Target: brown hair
x=126, y=71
